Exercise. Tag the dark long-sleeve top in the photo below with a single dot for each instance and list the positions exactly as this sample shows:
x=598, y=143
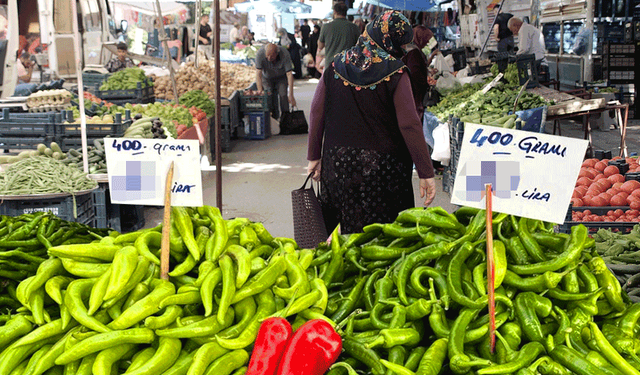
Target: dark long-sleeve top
x=406, y=114
x=418, y=70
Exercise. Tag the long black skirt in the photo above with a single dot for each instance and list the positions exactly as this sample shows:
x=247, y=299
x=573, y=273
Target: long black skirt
x=361, y=187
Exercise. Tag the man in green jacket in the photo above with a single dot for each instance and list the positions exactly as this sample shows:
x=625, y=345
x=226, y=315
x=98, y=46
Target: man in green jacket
x=337, y=35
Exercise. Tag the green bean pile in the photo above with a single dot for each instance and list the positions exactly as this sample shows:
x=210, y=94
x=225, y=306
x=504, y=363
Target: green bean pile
x=43, y=175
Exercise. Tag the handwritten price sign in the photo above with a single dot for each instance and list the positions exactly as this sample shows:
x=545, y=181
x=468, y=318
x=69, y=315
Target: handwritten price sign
x=532, y=174
x=138, y=169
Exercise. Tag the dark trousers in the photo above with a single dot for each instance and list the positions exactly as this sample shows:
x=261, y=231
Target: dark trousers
x=278, y=86
x=506, y=44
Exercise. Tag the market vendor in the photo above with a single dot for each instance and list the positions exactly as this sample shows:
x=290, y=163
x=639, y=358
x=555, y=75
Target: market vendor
x=25, y=68
x=274, y=72
x=205, y=31
x=121, y=61
x=530, y=42
x=501, y=31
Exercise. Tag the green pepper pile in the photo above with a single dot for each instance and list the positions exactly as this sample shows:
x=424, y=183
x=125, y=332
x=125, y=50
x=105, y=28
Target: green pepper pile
x=406, y=297
x=23, y=247
x=621, y=252
x=126, y=79
x=414, y=296
x=199, y=99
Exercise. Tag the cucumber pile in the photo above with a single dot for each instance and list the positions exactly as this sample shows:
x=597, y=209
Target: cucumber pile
x=53, y=151
x=95, y=154
x=145, y=127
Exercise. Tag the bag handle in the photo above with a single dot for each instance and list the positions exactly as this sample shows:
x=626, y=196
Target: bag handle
x=306, y=181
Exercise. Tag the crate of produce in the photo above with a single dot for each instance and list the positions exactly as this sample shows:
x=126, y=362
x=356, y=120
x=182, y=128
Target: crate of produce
x=63, y=207
x=234, y=109
x=255, y=103
x=116, y=129
x=93, y=80
x=143, y=93
x=226, y=131
x=28, y=124
x=603, y=217
x=257, y=125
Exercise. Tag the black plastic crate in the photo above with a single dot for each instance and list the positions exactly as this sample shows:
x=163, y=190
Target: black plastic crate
x=459, y=57
x=93, y=80
x=29, y=125
x=99, y=197
x=116, y=129
x=593, y=226
x=63, y=207
x=225, y=136
x=122, y=102
x=24, y=143
x=121, y=218
x=142, y=94
x=527, y=70
x=234, y=109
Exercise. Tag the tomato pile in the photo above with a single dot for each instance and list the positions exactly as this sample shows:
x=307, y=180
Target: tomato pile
x=601, y=185
x=611, y=216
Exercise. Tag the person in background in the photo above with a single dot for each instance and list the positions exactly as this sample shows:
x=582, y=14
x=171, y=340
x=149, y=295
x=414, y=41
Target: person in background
x=121, y=61
x=246, y=36
x=25, y=68
x=501, y=31
x=205, y=30
x=339, y=34
x=234, y=34
x=530, y=42
x=305, y=30
x=288, y=41
x=360, y=23
x=308, y=64
x=418, y=65
x=313, y=40
x=365, y=134
x=274, y=72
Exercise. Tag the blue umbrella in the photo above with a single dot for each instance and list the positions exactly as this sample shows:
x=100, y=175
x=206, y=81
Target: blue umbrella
x=411, y=5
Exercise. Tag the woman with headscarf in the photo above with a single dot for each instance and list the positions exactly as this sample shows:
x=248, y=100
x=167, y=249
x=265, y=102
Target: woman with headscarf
x=418, y=65
x=288, y=41
x=246, y=36
x=365, y=133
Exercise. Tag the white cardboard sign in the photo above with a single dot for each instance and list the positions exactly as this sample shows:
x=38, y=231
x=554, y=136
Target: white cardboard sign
x=138, y=171
x=532, y=174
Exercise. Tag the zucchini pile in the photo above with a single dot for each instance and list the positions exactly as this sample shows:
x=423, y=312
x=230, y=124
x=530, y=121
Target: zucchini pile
x=53, y=151
x=96, y=157
x=146, y=127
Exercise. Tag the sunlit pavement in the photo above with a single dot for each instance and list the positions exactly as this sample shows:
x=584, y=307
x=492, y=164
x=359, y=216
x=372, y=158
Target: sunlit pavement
x=258, y=176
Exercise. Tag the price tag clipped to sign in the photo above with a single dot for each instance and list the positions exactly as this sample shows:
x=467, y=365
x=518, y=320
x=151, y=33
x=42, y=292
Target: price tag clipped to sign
x=532, y=174
x=138, y=169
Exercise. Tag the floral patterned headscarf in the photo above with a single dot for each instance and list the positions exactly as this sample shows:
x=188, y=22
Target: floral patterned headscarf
x=377, y=54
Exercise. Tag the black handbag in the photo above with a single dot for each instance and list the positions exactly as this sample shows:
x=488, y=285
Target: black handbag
x=293, y=122
x=308, y=224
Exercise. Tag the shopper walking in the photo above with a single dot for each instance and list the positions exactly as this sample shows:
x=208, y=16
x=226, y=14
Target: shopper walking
x=288, y=41
x=274, y=72
x=313, y=40
x=204, y=37
x=365, y=133
x=339, y=34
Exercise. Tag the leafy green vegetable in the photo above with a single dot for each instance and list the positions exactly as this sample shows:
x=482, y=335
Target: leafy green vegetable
x=126, y=79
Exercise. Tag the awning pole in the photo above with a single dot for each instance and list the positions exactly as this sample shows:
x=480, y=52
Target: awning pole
x=216, y=49
x=78, y=58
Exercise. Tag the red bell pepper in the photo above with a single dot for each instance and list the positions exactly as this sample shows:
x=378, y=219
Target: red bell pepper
x=273, y=337
x=314, y=347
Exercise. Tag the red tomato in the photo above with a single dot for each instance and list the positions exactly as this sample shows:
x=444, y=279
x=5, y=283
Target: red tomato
x=616, y=158
x=618, y=212
x=616, y=178
x=600, y=177
x=584, y=181
x=630, y=186
x=618, y=200
x=598, y=201
x=600, y=166
x=631, y=160
x=604, y=182
x=589, y=162
x=635, y=205
x=577, y=202
x=633, y=212
x=613, y=191
x=582, y=190
x=606, y=196
x=586, y=212
x=611, y=170
x=587, y=200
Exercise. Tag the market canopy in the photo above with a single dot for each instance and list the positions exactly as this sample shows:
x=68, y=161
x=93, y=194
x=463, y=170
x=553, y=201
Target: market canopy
x=280, y=6
x=149, y=7
x=411, y=5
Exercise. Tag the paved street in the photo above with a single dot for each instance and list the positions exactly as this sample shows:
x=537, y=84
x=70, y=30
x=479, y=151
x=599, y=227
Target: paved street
x=258, y=175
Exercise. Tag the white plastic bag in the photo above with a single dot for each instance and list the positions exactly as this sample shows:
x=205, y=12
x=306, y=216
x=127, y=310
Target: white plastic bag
x=441, y=148
x=447, y=83
x=439, y=63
